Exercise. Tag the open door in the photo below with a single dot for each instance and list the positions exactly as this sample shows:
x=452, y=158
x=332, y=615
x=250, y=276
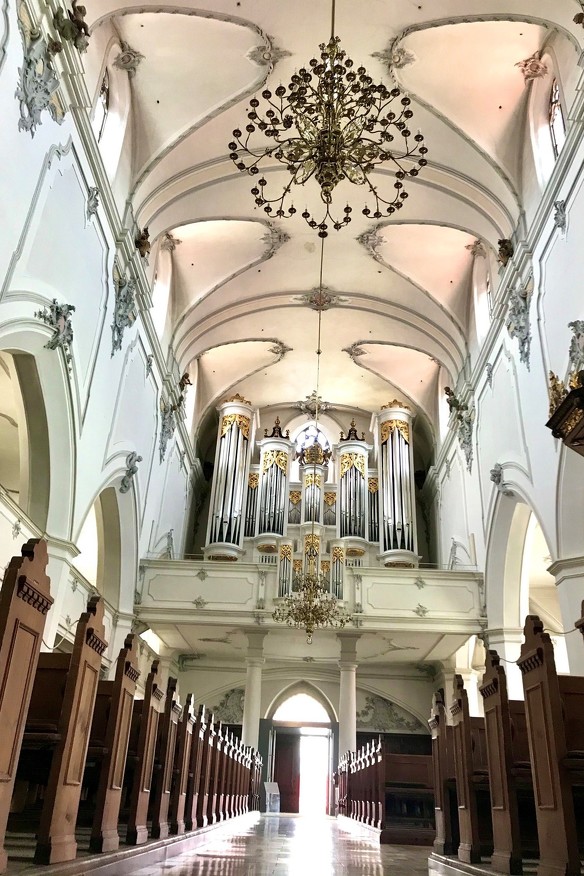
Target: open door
x=287, y=770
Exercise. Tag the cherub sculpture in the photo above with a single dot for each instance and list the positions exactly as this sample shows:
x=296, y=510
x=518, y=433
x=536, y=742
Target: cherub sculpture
x=506, y=250
x=74, y=29
x=184, y=382
x=143, y=243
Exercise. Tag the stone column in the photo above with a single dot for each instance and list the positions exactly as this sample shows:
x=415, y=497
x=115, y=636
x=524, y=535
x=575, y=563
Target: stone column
x=253, y=687
x=348, y=692
x=569, y=575
x=507, y=643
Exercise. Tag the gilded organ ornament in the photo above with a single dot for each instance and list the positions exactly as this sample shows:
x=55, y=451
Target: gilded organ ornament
x=373, y=485
x=338, y=554
x=242, y=423
x=311, y=479
x=312, y=544
x=390, y=426
x=286, y=552
x=395, y=404
x=352, y=459
x=275, y=457
x=330, y=499
x=253, y=480
x=295, y=497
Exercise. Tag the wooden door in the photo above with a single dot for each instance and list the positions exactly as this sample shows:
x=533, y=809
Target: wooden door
x=287, y=770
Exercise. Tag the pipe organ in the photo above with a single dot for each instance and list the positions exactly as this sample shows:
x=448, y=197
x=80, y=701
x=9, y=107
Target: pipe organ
x=339, y=512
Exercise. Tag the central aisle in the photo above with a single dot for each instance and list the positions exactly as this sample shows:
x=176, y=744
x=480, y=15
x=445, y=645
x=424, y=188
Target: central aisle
x=284, y=845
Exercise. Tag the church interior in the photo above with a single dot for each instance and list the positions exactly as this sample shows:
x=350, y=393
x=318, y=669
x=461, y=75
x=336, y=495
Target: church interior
x=291, y=436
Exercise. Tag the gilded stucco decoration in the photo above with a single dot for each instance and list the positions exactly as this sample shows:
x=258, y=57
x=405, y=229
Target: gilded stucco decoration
x=275, y=457
x=297, y=567
x=311, y=543
x=253, y=480
x=391, y=426
x=348, y=460
x=330, y=499
x=338, y=554
x=242, y=423
x=373, y=485
x=295, y=497
x=325, y=567
x=285, y=551
x=395, y=403
x=238, y=398
x=311, y=478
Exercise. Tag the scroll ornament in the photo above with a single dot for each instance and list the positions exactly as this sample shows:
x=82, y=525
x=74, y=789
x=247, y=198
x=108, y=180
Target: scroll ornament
x=242, y=423
x=390, y=426
x=353, y=459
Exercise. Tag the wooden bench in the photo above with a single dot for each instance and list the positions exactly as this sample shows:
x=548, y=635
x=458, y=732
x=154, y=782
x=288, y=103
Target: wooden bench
x=166, y=737
x=408, y=787
x=554, y=707
x=25, y=599
x=206, y=759
x=445, y=804
x=472, y=779
x=194, y=770
x=214, y=774
x=108, y=748
x=180, y=770
x=510, y=777
x=140, y=761
x=57, y=732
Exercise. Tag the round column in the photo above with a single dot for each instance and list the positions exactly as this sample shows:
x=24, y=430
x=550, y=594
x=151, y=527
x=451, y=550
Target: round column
x=348, y=692
x=253, y=688
x=275, y=452
x=397, y=530
x=569, y=575
x=230, y=480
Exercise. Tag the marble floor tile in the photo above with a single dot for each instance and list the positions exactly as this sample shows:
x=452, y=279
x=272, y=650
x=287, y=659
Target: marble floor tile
x=284, y=845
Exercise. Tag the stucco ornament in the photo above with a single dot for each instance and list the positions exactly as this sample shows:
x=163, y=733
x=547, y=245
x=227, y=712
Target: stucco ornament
x=517, y=321
x=395, y=57
x=576, y=352
x=560, y=216
x=124, y=310
x=464, y=432
x=167, y=427
x=311, y=403
x=230, y=709
x=129, y=59
x=72, y=27
x=273, y=239
x=320, y=298
x=371, y=240
x=58, y=317
x=267, y=55
x=132, y=461
x=381, y=715
x=279, y=350
x=169, y=242
x=497, y=478
x=532, y=67
x=37, y=84
x=477, y=249
x=92, y=205
x=354, y=351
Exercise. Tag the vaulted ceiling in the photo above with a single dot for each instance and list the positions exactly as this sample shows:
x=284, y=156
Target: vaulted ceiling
x=403, y=291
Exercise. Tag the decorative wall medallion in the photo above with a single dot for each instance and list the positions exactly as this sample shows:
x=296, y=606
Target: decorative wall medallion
x=311, y=403
x=517, y=321
x=167, y=427
x=273, y=239
x=267, y=55
x=497, y=478
x=279, y=350
x=132, y=461
x=128, y=59
x=354, y=351
x=169, y=242
x=420, y=583
x=58, y=317
x=92, y=205
x=124, y=314
x=199, y=602
x=371, y=240
x=477, y=249
x=320, y=299
x=560, y=216
x=202, y=575
x=576, y=351
x=532, y=67
x=382, y=715
x=395, y=57
x=38, y=81
x=420, y=610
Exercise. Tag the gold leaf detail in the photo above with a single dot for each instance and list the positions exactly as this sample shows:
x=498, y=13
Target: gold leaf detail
x=295, y=496
x=352, y=459
x=297, y=566
x=373, y=485
x=311, y=543
x=253, y=480
x=242, y=423
x=325, y=567
x=286, y=552
x=396, y=403
x=237, y=398
x=390, y=426
x=277, y=457
x=338, y=554
x=330, y=499
x=311, y=478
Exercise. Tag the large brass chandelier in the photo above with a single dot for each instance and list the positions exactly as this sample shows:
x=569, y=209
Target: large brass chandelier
x=311, y=605
x=333, y=123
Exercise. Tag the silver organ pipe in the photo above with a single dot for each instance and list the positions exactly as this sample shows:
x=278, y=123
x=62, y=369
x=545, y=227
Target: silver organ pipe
x=274, y=467
x=285, y=569
x=395, y=486
x=230, y=479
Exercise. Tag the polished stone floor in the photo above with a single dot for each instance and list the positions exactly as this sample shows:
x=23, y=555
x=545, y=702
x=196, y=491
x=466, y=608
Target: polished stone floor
x=284, y=845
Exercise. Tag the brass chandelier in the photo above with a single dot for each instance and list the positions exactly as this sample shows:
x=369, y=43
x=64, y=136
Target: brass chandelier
x=311, y=605
x=333, y=123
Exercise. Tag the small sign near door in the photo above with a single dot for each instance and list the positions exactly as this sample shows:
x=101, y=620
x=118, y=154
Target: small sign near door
x=272, y=797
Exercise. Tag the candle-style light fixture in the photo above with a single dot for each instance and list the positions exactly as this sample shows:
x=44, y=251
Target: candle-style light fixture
x=332, y=122
x=311, y=605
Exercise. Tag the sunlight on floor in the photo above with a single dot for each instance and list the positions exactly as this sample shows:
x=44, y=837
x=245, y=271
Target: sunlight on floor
x=314, y=758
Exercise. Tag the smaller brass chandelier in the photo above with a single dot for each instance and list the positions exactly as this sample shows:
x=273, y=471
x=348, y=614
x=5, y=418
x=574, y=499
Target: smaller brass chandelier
x=310, y=605
x=332, y=122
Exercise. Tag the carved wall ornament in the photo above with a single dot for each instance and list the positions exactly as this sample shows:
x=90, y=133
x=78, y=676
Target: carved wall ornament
x=128, y=59
x=92, y=205
x=477, y=249
x=267, y=55
x=464, y=431
x=58, y=317
x=169, y=554
x=517, y=320
x=143, y=244
x=279, y=350
x=420, y=610
x=447, y=468
x=320, y=298
x=391, y=426
x=124, y=313
x=354, y=351
x=489, y=373
x=202, y=575
x=532, y=67
x=576, y=351
x=72, y=27
x=579, y=17
x=169, y=242
x=311, y=403
x=199, y=602
x=132, y=461
x=395, y=403
x=242, y=423
x=560, y=216
x=381, y=715
x=167, y=427
x=273, y=239
x=38, y=80
x=371, y=240
x=16, y=528
x=420, y=583
x=497, y=478
x=506, y=250
x=149, y=363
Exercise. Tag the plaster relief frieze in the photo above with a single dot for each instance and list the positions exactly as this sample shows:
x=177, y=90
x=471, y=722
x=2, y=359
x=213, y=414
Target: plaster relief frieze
x=132, y=461
x=517, y=320
x=230, y=709
x=167, y=427
x=58, y=317
x=128, y=59
x=38, y=80
x=381, y=715
x=124, y=310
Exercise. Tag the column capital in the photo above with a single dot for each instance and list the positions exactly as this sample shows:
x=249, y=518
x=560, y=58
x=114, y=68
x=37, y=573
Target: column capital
x=567, y=567
x=255, y=643
x=255, y=661
x=348, y=642
x=345, y=665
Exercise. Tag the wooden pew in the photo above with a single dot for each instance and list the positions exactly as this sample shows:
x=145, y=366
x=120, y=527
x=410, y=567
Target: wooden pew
x=408, y=793
x=554, y=707
x=206, y=756
x=445, y=805
x=194, y=774
x=214, y=774
x=140, y=762
x=25, y=599
x=472, y=779
x=108, y=746
x=226, y=802
x=180, y=770
x=510, y=776
x=163, y=762
x=57, y=733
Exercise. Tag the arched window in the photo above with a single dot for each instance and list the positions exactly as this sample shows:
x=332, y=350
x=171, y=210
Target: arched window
x=311, y=435
x=103, y=103
x=556, y=120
